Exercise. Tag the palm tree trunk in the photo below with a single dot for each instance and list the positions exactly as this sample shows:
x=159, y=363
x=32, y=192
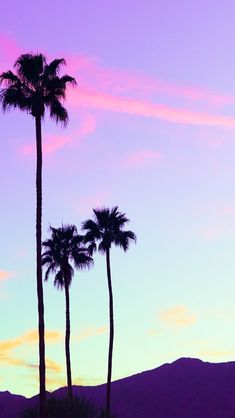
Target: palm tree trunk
x=42, y=368
x=111, y=335
x=67, y=345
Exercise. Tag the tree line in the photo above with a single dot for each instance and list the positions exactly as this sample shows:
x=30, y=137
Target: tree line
x=34, y=87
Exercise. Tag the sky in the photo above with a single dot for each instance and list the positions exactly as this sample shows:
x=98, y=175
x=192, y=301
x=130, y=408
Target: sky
x=152, y=130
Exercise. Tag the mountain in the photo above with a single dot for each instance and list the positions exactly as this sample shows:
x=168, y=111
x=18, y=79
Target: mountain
x=186, y=388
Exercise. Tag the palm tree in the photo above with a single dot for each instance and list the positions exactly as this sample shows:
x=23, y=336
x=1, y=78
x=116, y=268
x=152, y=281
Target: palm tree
x=34, y=87
x=107, y=229
x=64, y=248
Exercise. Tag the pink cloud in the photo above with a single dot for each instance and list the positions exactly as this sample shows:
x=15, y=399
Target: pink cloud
x=88, y=126
x=213, y=233
x=10, y=49
x=194, y=94
x=178, y=316
x=88, y=98
x=88, y=202
x=142, y=158
x=95, y=81
x=91, y=73
x=4, y=275
x=52, y=143
x=229, y=210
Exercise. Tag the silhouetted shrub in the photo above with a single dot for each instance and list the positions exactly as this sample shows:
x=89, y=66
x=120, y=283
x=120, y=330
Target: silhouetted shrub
x=57, y=408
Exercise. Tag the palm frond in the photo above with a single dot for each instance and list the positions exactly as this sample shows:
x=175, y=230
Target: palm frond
x=8, y=78
x=52, y=69
x=81, y=259
x=59, y=280
x=92, y=247
x=46, y=258
x=118, y=218
x=68, y=79
x=93, y=231
x=35, y=86
x=103, y=246
x=30, y=67
x=123, y=239
x=64, y=248
x=102, y=217
x=58, y=112
x=107, y=229
x=50, y=269
x=14, y=97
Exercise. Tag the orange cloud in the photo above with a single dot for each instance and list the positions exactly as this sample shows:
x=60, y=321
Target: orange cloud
x=10, y=360
x=29, y=337
x=4, y=275
x=216, y=353
x=52, y=366
x=7, y=357
x=178, y=316
x=32, y=336
x=9, y=345
x=54, y=382
x=90, y=332
x=152, y=332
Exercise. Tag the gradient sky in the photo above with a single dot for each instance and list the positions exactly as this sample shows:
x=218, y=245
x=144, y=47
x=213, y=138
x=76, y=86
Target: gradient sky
x=152, y=130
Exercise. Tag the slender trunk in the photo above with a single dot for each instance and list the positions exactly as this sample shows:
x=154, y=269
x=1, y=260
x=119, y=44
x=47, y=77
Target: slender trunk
x=42, y=368
x=111, y=335
x=67, y=348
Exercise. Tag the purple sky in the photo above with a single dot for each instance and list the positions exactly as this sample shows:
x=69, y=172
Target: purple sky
x=152, y=129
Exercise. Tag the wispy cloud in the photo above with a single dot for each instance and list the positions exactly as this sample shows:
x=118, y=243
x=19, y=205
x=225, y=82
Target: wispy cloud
x=90, y=332
x=213, y=233
x=143, y=157
x=4, y=275
x=10, y=49
x=152, y=332
x=52, y=143
x=120, y=91
x=108, y=102
x=93, y=73
x=94, y=200
x=53, y=366
x=178, y=317
x=30, y=337
x=216, y=353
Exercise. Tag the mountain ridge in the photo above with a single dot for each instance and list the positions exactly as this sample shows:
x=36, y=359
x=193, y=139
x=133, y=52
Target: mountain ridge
x=185, y=388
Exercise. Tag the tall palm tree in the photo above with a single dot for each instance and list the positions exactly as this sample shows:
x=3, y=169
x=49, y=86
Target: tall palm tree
x=34, y=87
x=105, y=230
x=64, y=248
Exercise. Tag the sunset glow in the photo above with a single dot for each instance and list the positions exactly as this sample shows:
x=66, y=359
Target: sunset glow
x=152, y=130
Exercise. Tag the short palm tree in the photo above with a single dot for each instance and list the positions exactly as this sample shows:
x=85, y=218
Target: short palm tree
x=105, y=230
x=34, y=87
x=64, y=248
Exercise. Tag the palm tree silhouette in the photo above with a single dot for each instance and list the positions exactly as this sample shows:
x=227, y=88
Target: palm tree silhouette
x=107, y=229
x=65, y=247
x=34, y=87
